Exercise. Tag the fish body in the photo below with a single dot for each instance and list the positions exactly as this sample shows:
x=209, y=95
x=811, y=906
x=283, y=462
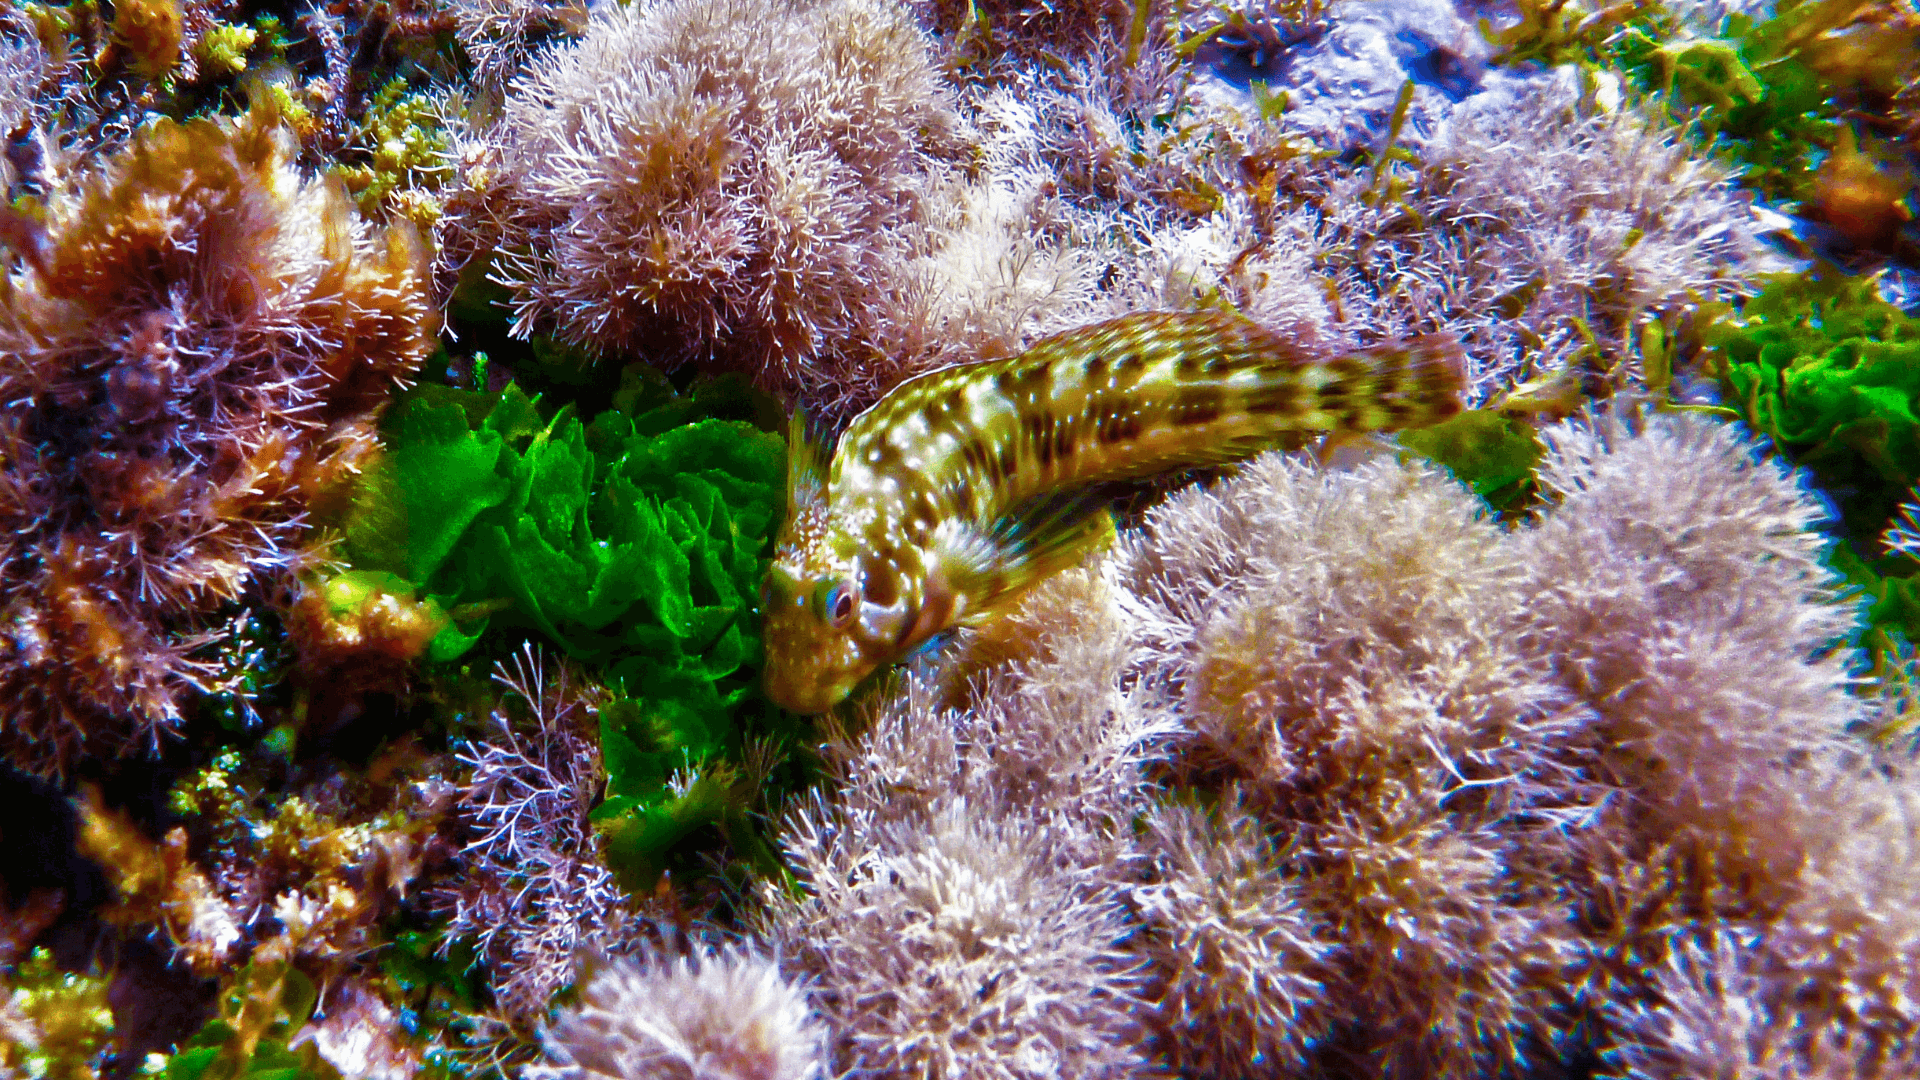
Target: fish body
x=955, y=493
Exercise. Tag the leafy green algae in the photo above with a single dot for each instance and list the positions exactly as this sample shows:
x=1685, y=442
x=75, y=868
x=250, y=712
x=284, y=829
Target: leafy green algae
x=1830, y=371
x=266, y=1005
x=1495, y=455
x=1743, y=91
x=635, y=542
x=624, y=542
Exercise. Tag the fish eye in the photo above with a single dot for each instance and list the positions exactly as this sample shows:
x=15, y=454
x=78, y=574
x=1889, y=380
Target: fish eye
x=836, y=603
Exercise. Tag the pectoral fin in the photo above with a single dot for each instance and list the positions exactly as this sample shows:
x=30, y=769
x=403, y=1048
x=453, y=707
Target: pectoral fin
x=986, y=571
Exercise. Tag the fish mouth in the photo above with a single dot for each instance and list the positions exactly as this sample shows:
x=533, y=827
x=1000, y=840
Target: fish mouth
x=807, y=698
x=807, y=688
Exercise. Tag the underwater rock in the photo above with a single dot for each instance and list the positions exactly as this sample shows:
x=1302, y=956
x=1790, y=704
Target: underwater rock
x=1341, y=84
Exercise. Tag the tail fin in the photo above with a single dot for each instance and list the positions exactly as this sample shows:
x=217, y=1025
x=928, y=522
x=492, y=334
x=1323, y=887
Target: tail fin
x=1409, y=384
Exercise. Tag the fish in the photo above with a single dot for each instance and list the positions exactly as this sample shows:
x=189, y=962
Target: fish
x=953, y=495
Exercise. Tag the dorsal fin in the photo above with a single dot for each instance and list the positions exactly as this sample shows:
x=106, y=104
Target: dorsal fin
x=806, y=466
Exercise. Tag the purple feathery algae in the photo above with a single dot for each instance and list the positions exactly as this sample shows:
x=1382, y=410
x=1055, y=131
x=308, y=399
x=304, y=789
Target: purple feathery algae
x=534, y=891
x=673, y=186
x=1341, y=646
x=725, y=1014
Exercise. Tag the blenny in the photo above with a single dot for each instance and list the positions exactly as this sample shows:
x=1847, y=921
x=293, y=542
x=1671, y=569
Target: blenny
x=951, y=496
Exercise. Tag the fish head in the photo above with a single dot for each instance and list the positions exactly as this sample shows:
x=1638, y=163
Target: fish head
x=843, y=596
x=811, y=595
x=832, y=620
x=830, y=623
x=822, y=633
x=815, y=657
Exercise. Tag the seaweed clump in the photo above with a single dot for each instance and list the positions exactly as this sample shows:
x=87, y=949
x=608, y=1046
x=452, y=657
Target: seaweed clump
x=673, y=188
x=53, y=1024
x=532, y=889
x=965, y=911
x=725, y=1014
x=635, y=542
x=1828, y=369
x=1815, y=103
x=193, y=340
x=1824, y=366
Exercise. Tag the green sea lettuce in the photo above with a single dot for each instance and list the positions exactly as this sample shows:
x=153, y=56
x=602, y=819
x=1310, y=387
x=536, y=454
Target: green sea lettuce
x=1830, y=371
x=1743, y=91
x=634, y=541
x=259, y=1013
x=624, y=545
x=438, y=988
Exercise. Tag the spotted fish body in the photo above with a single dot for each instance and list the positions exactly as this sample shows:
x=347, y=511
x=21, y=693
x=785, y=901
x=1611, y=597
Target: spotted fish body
x=951, y=496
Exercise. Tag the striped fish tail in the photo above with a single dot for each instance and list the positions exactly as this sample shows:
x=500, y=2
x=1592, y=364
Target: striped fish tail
x=1423, y=381
x=1391, y=386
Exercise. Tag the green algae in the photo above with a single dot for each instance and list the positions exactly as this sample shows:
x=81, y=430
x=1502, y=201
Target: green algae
x=1491, y=453
x=635, y=542
x=1830, y=372
x=621, y=543
x=264, y=1007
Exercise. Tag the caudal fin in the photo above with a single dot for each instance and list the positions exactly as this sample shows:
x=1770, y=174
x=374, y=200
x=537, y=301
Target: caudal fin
x=1406, y=384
